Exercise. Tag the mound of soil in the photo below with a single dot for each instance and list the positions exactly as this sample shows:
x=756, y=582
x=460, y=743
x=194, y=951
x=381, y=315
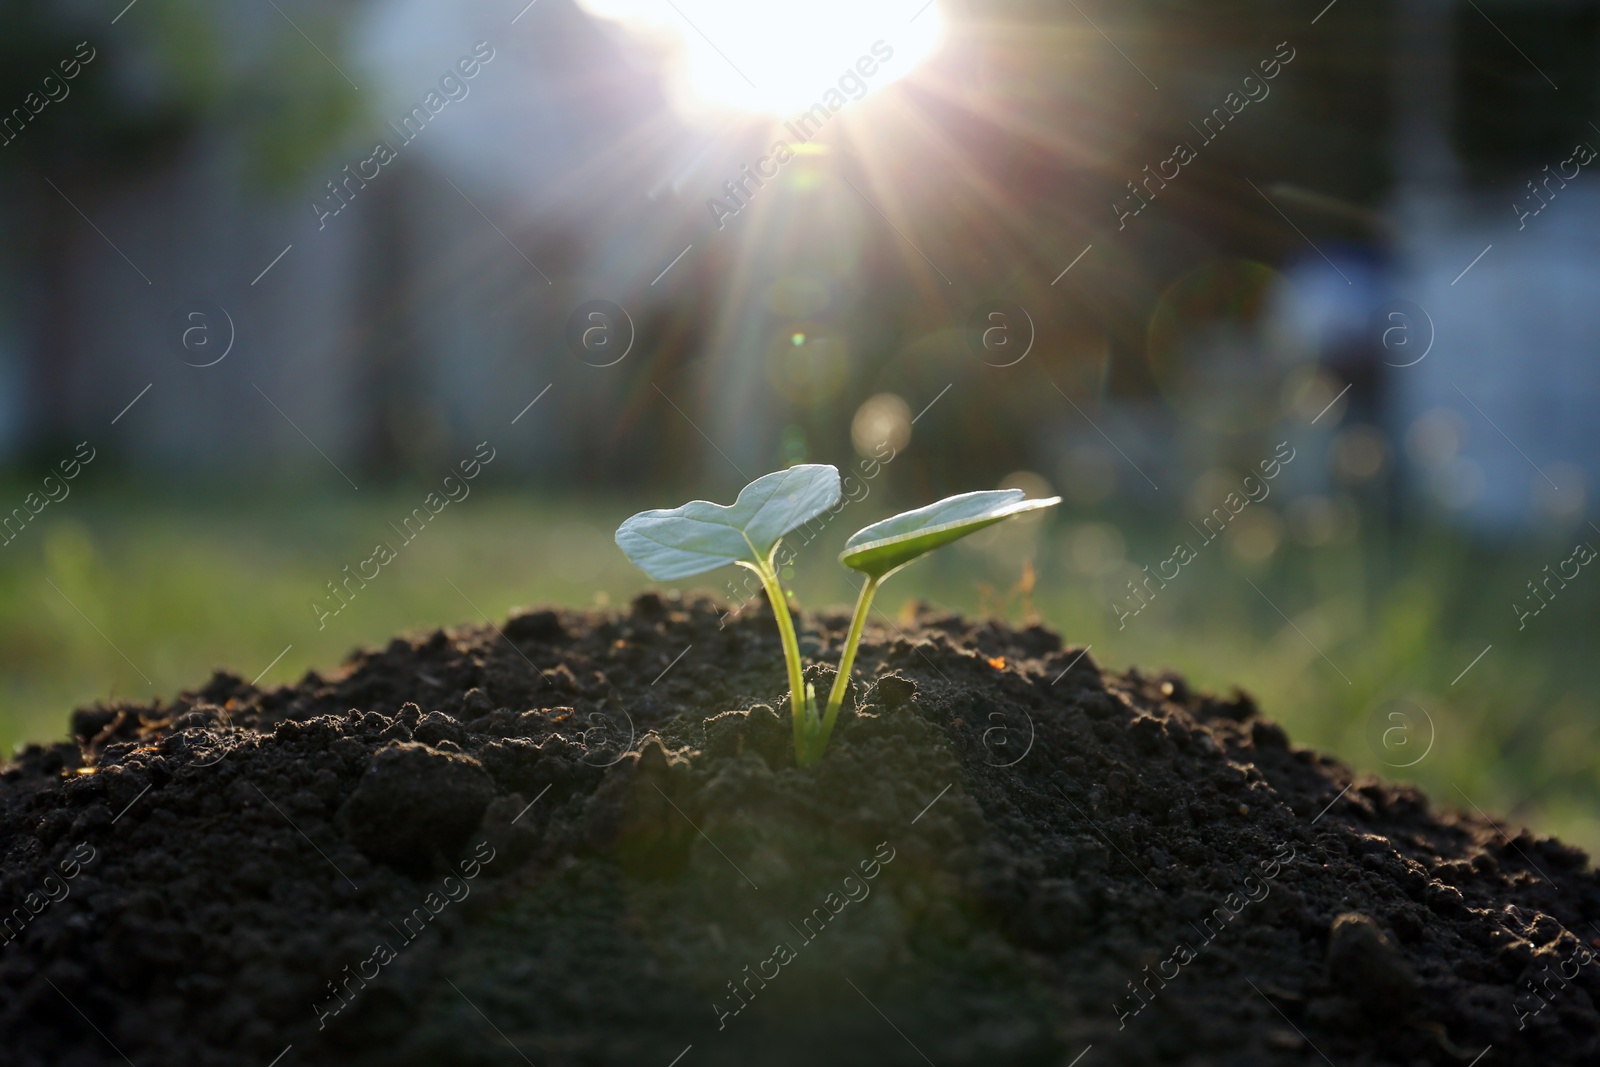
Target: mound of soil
x=582, y=839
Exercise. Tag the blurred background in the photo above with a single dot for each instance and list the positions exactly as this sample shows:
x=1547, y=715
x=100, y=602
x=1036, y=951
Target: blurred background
x=272, y=270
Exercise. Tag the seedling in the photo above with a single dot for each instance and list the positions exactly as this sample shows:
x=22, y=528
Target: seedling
x=701, y=536
x=881, y=549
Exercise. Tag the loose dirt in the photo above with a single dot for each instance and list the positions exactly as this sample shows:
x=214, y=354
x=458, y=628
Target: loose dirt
x=582, y=839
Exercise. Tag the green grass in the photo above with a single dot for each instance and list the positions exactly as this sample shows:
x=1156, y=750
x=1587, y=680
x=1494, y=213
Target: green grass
x=162, y=591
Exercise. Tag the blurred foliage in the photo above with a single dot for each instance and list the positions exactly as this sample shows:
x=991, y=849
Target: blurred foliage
x=173, y=71
x=184, y=586
x=1514, y=107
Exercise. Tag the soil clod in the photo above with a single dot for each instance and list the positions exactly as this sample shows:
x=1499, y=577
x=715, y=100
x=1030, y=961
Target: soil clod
x=415, y=803
x=464, y=849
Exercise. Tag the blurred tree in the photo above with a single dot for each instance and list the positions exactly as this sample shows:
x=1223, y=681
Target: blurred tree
x=160, y=78
x=1522, y=106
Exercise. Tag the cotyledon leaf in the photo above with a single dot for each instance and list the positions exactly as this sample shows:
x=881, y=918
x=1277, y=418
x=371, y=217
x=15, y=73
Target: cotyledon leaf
x=671, y=543
x=886, y=546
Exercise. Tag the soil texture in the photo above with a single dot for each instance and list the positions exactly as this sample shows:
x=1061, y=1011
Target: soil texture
x=580, y=838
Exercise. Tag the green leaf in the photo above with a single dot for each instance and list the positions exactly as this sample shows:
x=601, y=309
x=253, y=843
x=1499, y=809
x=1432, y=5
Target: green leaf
x=700, y=536
x=886, y=546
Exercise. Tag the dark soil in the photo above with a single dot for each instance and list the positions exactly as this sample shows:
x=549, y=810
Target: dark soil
x=547, y=847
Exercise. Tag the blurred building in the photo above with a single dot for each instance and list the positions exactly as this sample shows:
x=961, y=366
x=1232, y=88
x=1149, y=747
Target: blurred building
x=436, y=304
x=1495, y=247
x=386, y=321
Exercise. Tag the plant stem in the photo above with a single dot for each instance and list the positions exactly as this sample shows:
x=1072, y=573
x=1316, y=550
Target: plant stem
x=791, y=654
x=841, y=680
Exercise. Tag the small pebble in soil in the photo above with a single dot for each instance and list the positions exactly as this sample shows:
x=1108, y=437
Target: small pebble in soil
x=1366, y=965
x=415, y=802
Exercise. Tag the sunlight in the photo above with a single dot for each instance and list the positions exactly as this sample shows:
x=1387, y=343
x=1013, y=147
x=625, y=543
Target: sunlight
x=785, y=55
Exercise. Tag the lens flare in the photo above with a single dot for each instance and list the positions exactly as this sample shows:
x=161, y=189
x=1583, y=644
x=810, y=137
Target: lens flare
x=782, y=56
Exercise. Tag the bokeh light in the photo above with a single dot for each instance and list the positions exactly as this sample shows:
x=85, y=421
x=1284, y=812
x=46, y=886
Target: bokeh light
x=1359, y=453
x=881, y=422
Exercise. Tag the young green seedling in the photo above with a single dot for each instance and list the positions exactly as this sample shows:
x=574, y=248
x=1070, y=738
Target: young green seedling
x=701, y=536
x=879, y=550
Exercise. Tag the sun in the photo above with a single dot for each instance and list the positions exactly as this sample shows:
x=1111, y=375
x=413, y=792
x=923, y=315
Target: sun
x=781, y=56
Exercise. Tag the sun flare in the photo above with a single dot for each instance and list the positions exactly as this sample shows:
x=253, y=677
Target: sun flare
x=784, y=55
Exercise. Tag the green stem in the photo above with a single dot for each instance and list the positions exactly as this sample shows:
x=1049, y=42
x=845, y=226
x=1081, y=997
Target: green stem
x=791, y=652
x=841, y=680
